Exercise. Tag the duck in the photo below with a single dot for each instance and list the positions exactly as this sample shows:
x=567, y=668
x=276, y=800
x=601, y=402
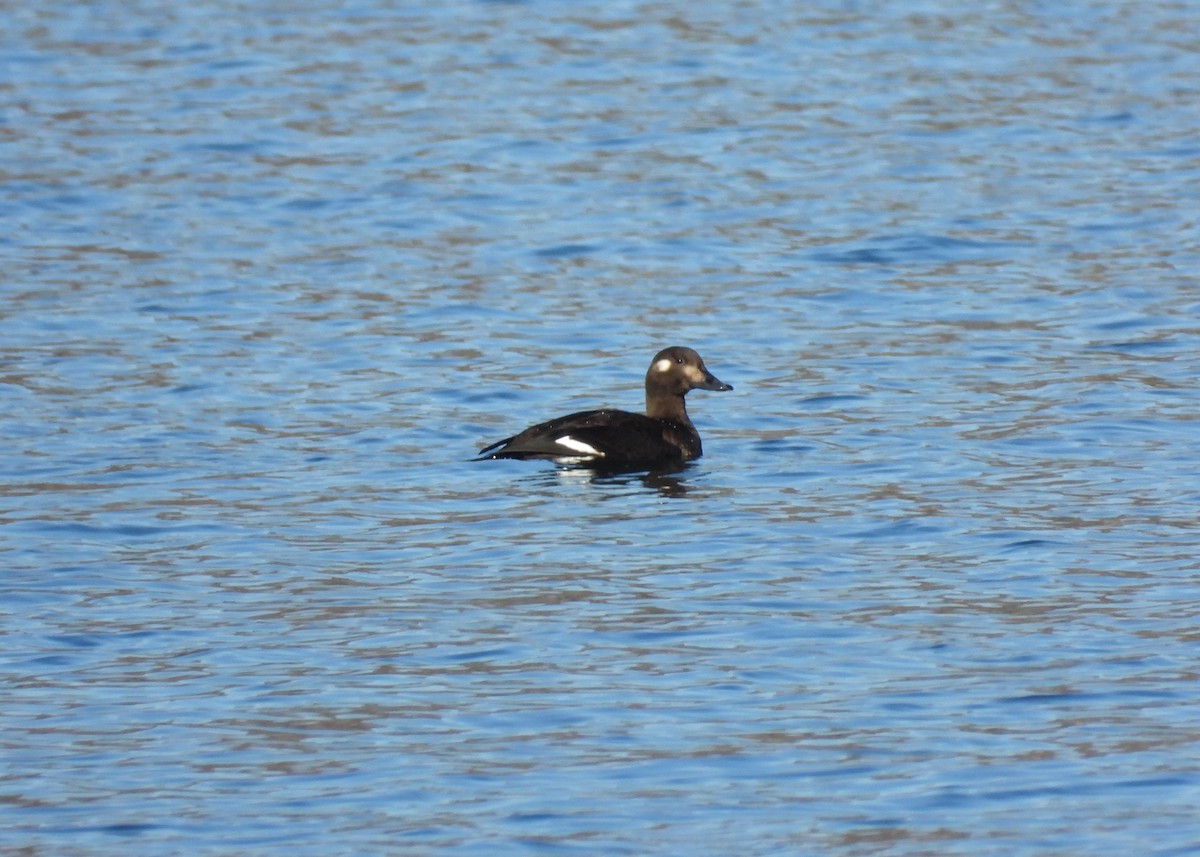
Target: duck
x=662, y=436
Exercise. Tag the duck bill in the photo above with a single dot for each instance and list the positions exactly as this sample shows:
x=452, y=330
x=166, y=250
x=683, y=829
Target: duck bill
x=711, y=382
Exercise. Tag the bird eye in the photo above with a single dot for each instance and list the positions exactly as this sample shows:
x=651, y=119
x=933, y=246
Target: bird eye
x=679, y=360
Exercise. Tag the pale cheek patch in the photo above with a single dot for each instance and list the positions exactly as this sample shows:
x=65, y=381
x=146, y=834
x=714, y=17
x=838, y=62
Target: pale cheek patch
x=578, y=446
x=663, y=365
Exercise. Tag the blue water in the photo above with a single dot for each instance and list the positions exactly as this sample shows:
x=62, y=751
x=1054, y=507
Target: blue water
x=272, y=275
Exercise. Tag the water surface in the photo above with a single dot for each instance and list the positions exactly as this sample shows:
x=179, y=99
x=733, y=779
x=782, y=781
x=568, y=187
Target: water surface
x=273, y=275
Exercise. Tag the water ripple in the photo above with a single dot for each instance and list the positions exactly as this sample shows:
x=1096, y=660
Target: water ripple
x=273, y=279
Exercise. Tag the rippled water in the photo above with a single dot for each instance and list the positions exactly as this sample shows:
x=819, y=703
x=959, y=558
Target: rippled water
x=272, y=275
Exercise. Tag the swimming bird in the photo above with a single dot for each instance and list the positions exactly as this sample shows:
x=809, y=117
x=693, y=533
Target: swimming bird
x=662, y=436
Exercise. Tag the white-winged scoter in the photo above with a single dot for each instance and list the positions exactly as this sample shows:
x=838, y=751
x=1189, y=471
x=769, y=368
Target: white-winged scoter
x=662, y=436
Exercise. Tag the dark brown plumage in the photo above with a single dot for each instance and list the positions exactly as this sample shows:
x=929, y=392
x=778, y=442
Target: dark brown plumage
x=662, y=435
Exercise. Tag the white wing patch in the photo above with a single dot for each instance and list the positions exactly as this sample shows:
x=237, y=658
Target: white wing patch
x=578, y=446
x=663, y=365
